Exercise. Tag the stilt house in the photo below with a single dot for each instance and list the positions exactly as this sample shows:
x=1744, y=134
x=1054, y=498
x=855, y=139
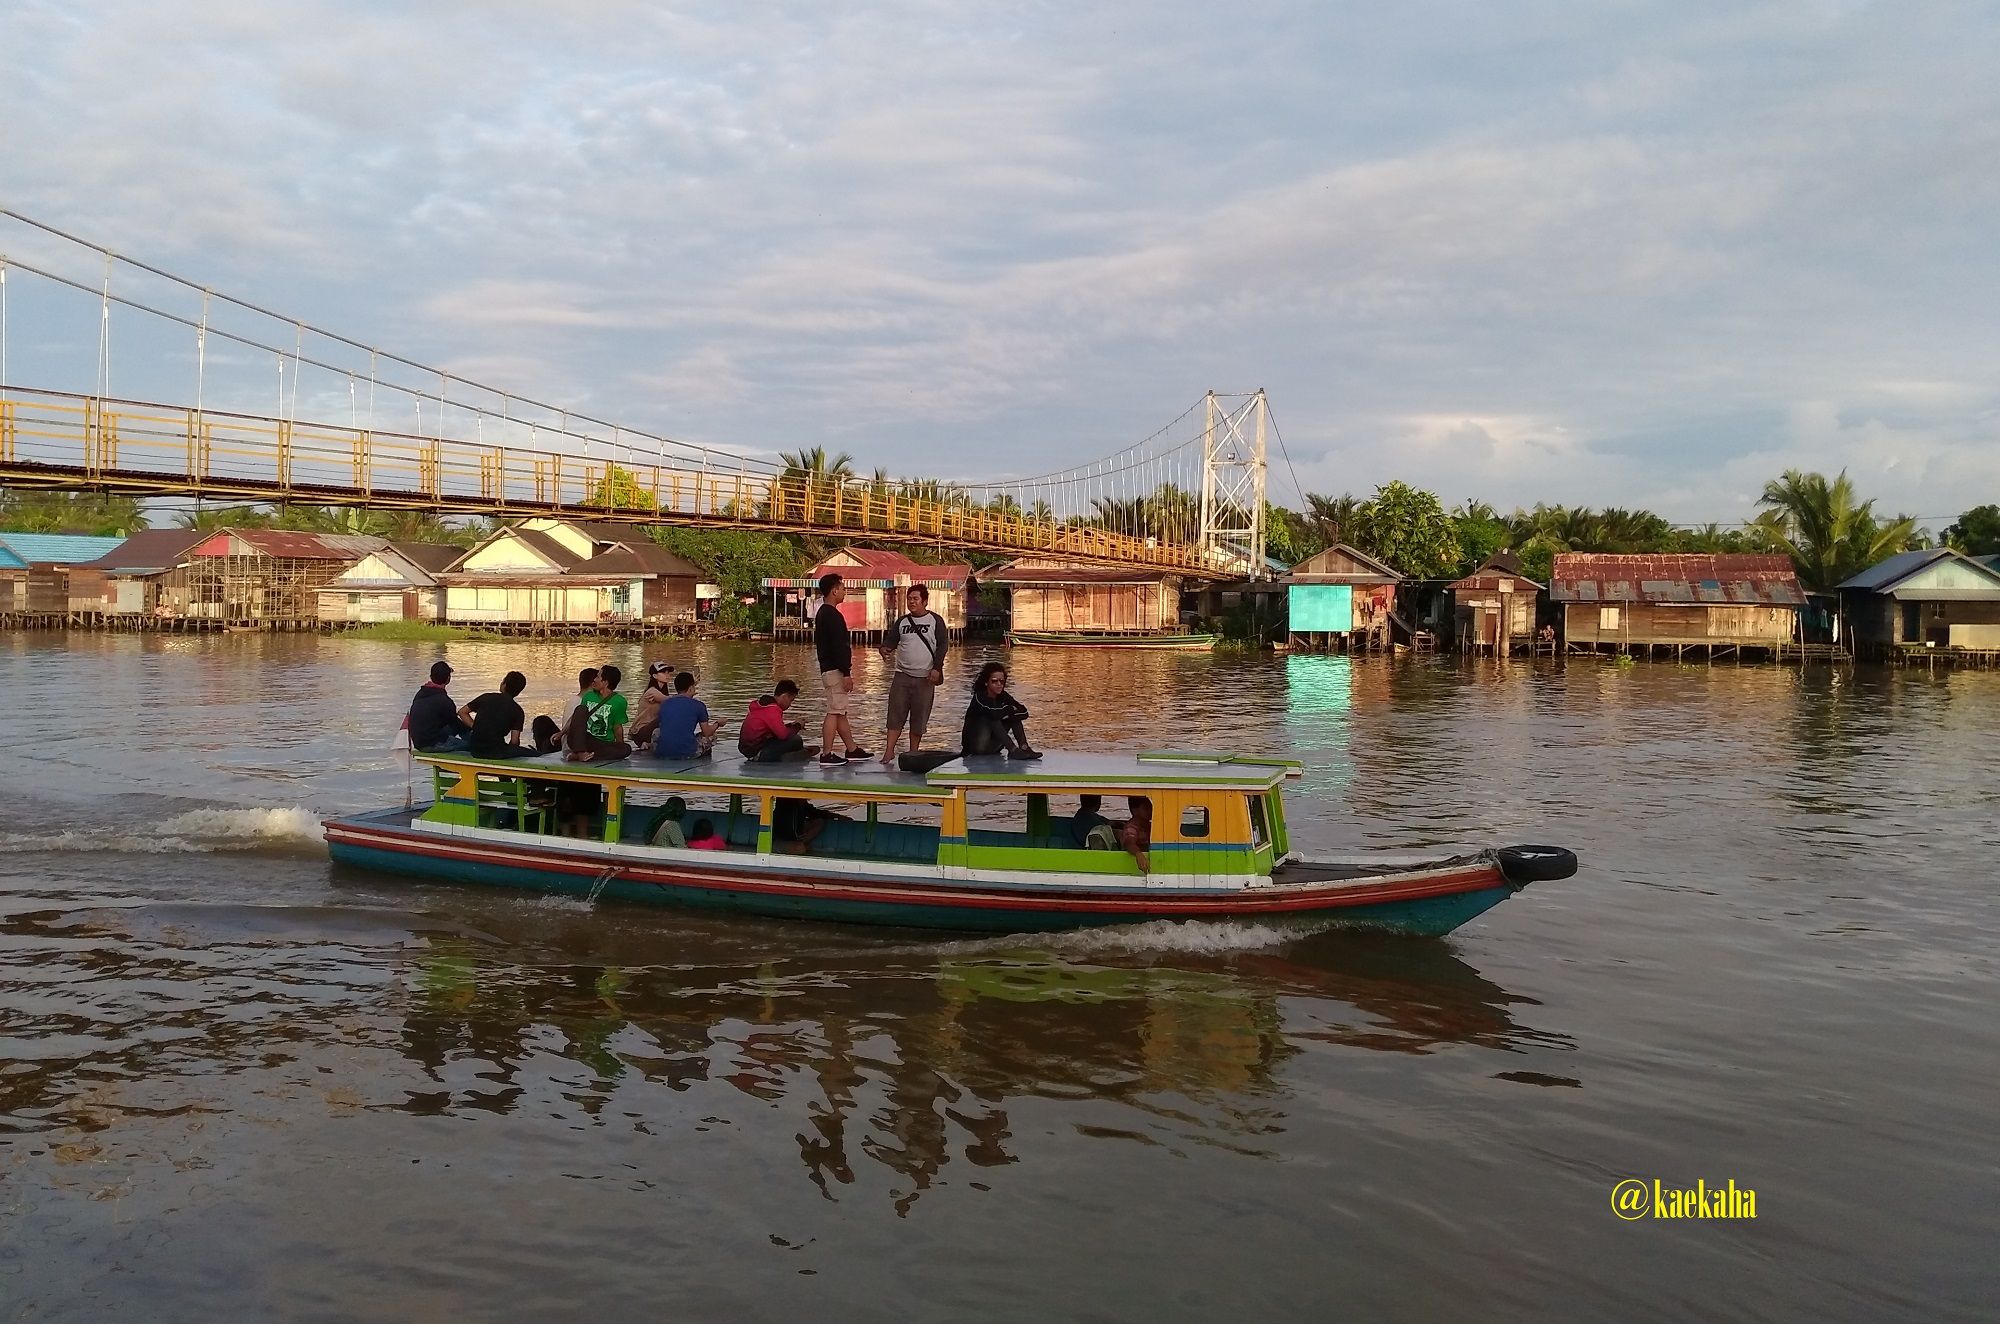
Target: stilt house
x=1711, y=604
x=1923, y=601
x=1496, y=607
x=1340, y=599
x=393, y=583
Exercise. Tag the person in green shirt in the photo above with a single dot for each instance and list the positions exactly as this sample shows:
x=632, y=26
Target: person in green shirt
x=597, y=730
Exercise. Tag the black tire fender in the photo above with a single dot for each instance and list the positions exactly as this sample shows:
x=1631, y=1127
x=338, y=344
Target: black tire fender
x=1535, y=864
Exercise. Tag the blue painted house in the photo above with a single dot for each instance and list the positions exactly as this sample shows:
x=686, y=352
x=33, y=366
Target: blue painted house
x=18, y=551
x=35, y=569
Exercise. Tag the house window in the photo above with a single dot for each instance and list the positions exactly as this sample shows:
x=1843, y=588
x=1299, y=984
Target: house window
x=1607, y=618
x=1194, y=821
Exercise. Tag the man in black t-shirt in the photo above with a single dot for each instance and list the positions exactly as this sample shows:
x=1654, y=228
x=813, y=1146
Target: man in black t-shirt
x=497, y=721
x=835, y=648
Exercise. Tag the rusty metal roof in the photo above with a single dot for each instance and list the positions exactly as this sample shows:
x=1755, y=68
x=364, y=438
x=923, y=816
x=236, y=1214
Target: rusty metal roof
x=1694, y=578
x=292, y=544
x=1499, y=568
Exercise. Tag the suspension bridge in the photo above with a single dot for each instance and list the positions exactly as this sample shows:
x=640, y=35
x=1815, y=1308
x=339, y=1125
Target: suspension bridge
x=1189, y=497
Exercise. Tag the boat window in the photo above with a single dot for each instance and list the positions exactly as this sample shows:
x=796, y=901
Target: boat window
x=1194, y=821
x=1260, y=831
x=653, y=819
x=894, y=833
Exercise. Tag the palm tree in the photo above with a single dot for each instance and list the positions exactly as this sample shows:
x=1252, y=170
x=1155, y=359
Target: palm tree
x=1828, y=534
x=809, y=473
x=207, y=519
x=96, y=513
x=1335, y=519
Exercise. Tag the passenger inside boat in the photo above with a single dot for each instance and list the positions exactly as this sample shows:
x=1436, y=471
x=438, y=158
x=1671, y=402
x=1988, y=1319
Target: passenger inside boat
x=1135, y=834
x=1087, y=817
x=703, y=836
x=796, y=824
x=665, y=827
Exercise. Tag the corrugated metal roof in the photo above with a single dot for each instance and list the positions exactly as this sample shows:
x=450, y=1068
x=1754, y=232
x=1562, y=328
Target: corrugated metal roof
x=150, y=551
x=24, y=549
x=1696, y=578
x=1900, y=566
x=1499, y=566
x=1343, y=564
x=639, y=558
x=431, y=556
x=294, y=545
x=878, y=563
x=1885, y=576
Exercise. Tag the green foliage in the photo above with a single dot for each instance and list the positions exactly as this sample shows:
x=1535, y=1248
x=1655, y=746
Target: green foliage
x=620, y=489
x=1407, y=528
x=734, y=614
x=1335, y=519
x=1976, y=532
x=1480, y=534
x=818, y=465
x=1290, y=536
x=207, y=519
x=1829, y=535
x=740, y=560
x=97, y=514
x=1538, y=561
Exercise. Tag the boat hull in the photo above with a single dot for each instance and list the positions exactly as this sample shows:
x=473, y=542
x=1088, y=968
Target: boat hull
x=1428, y=902
x=1062, y=639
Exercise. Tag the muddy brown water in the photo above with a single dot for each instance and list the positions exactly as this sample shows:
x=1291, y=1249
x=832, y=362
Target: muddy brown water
x=237, y=1082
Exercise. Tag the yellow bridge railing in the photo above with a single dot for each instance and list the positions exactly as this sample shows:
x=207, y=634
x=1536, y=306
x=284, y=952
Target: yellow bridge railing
x=57, y=440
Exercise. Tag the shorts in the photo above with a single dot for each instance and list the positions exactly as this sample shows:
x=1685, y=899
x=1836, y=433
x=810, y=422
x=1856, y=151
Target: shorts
x=836, y=693
x=910, y=700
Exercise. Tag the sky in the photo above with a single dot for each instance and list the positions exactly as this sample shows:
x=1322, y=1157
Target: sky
x=1607, y=253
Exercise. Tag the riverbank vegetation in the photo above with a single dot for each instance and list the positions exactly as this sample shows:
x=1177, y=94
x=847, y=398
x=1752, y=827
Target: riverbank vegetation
x=416, y=632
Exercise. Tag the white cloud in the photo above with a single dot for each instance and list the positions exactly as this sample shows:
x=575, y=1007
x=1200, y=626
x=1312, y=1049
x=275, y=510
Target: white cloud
x=1648, y=255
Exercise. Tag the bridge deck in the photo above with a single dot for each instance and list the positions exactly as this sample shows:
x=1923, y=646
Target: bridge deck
x=58, y=440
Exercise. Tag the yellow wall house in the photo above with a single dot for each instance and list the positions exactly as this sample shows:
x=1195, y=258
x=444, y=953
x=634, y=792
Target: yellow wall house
x=396, y=583
x=548, y=570
x=1059, y=596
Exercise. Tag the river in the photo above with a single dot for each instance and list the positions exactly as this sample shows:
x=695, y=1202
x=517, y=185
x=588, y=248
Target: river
x=236, y=1082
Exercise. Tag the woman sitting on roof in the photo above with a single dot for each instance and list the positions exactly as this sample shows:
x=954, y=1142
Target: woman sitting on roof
x=993, y=720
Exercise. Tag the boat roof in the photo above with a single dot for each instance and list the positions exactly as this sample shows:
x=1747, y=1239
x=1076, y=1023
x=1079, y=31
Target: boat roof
x=1056, y=770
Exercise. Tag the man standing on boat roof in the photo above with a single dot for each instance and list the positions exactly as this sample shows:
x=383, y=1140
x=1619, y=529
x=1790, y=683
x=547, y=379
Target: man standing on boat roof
x=917, y=641
x=836, y=671
x=435, y=726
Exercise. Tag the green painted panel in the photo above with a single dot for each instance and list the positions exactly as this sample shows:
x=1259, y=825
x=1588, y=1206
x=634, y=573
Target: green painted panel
x=1322, y=608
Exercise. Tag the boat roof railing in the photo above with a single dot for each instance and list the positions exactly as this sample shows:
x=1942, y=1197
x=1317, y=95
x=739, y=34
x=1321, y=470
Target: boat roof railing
x=1058, y=770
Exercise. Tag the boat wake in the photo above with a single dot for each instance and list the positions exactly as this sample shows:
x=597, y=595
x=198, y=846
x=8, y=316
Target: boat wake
x=195, y=832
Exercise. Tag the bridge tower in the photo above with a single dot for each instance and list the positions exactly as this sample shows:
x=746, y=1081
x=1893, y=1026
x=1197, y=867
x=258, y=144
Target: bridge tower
x=1233, y=471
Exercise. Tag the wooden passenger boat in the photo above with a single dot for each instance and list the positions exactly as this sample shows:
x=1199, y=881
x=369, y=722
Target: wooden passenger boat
x=1110, y=639
x=976, y=844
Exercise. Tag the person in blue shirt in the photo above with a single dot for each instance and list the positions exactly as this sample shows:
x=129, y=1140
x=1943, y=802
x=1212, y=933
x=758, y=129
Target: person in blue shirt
x=685, y=732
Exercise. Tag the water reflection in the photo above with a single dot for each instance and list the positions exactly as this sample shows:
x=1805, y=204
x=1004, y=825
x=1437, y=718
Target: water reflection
x=911, y=1060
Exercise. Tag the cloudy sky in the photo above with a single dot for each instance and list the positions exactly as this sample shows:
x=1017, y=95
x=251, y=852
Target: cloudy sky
x=1612, y=253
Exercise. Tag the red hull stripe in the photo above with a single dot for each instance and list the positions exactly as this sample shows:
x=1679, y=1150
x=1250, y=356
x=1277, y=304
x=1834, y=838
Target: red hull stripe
x=941, y=894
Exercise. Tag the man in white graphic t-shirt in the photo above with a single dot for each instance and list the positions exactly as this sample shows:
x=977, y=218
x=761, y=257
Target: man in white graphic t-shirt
x=917, y=642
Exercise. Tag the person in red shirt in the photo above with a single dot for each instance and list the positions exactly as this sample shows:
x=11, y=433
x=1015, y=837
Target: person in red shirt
x=766, y=735
x=1135, y=834
x=703, y=836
